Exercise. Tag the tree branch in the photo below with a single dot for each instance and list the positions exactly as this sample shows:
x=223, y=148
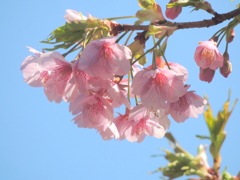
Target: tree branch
x=217, y=19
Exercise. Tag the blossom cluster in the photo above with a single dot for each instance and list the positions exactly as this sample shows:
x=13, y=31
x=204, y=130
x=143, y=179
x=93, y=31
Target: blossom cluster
x=94, y=84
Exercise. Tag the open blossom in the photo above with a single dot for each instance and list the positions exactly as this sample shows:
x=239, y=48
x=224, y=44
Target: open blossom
x=82, y=79
x=53, y=72
x=208, y=56
x=32, y=74
x=155, y=87
x=189, y=105
x=122, y=124
x=104, y=58
x=173, y=12
x=146, y=123
x=108, y=131
x=94, y=111
x=114, y=91
x=178, y=69
x=61, y=83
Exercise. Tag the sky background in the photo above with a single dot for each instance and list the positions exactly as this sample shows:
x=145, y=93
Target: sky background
x=38, y=140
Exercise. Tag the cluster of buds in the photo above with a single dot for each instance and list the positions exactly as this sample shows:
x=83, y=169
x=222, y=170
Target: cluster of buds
x=94, y=84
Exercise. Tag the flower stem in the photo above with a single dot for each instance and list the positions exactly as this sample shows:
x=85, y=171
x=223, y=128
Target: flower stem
x=121, y=36
x=149, y=50
x=123, y=17
x=129, y=36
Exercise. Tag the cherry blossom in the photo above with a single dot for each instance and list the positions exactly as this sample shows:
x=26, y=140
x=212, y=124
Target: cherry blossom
x=108, y=131
x=208, y=56
x=122, y=124
x=61, y=83
x=145, y=122
x=189, y=105
x=104, y=58
x=53, y=72
x=32, y=73
x=155, y=87
x=94, y=111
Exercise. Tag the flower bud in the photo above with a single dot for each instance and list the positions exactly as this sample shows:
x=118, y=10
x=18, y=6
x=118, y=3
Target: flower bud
x=205, y=6
x=173, y=12
x=145, y=4
x=227, y=66
x=230, y=35
x=206, y=74
x=152, y=14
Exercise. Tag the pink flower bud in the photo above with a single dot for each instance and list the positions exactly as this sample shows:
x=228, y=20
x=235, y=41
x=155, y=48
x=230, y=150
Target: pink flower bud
x=206, y=74
x=230, y=35
x=173, y=12
x=227, y=66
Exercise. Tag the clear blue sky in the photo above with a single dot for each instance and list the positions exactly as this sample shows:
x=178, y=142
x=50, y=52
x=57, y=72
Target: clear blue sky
x=38, y=139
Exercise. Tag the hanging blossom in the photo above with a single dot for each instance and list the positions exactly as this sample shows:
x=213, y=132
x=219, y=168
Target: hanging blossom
x=189, y=105
x=94, y=110
x=53, y=72
x=31, y=70
x=145, y=122
x=207, y=55
x=159, y=86
x=104, y=58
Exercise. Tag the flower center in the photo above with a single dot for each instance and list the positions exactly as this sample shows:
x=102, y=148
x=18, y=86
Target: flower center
x=161, y=80
x=44, y=77
x=63, y=73
x=106, y=51
x=208, y=56
x=140, y=127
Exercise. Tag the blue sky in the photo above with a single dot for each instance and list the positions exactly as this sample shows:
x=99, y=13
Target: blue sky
x=39, y=140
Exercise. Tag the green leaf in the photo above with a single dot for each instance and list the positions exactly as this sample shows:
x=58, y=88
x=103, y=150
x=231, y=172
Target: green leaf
x=65, y=36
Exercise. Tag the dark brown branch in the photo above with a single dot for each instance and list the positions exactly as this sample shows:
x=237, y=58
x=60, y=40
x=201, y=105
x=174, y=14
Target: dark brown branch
x=217, y=19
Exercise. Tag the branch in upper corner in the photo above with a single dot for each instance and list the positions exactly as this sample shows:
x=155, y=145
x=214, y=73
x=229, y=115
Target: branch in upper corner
x=217, y=19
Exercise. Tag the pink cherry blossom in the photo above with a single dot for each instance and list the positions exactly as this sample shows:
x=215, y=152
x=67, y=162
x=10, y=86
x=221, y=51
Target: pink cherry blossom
x=173, y=12
x=178, y=69
x=206, y=74
x=61, y=83
x=32, y=73
x=94, y=111
x=145, y=122
x=189, y=105
x=104, y=58
x=155, y=87
x=122, y=124
x=112, y=90
x=82, y=79
x=208, y=56
x=108, y=131
x=53, y=72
